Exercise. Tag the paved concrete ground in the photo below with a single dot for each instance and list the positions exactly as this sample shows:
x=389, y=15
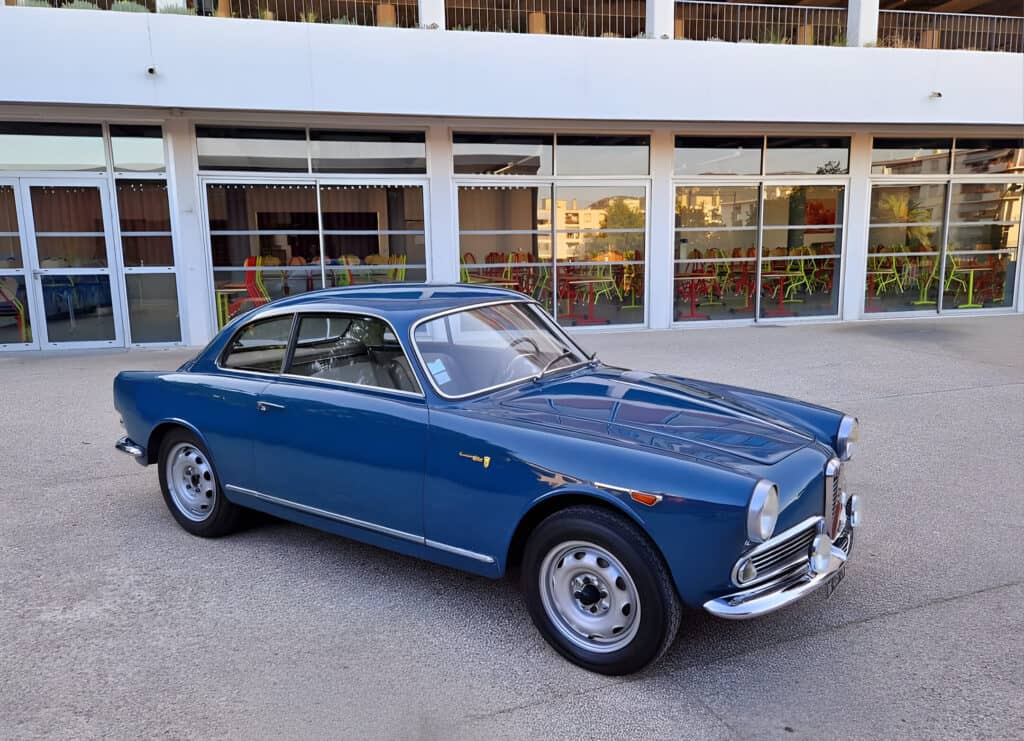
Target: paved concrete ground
x=115, y=623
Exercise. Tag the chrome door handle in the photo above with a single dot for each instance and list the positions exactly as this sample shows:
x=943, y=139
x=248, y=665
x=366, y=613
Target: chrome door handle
x=266, y=406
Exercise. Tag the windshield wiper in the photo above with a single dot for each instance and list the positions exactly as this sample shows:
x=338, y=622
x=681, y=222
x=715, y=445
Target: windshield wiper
x=561, y=356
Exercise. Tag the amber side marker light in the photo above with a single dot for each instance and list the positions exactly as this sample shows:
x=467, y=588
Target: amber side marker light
x=648, y=499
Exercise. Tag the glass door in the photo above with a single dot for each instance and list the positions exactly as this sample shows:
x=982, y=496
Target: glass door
x=16, y=330
x=70, y=254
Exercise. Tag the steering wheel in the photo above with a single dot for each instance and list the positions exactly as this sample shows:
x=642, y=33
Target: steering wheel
x=513, y=343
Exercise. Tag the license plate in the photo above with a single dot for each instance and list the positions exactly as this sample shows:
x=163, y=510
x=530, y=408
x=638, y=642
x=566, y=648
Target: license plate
x=830, y=588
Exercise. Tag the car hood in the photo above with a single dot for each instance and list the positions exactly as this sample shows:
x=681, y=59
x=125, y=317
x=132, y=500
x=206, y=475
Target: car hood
x=651, y=410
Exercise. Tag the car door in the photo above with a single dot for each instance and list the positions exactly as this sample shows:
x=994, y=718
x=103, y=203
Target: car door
x=344, y=429
x=223, y=405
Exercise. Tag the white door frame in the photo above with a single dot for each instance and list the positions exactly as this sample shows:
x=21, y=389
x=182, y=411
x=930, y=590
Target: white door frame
x=24, y=272
x=112, y=270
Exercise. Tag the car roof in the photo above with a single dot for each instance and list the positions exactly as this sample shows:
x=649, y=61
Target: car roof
x=404, y=302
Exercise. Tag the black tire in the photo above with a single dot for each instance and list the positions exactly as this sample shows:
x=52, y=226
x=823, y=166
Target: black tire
x=659, y=608
x=222, y=517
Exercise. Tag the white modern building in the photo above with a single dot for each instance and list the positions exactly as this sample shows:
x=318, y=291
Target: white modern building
x=653, y=164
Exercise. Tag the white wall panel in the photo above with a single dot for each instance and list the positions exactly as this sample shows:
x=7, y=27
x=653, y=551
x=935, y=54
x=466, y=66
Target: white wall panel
x=101, y=58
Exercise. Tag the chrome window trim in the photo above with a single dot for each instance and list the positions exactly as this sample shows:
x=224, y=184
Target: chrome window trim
x=482, y=305
x=269, y=316
x=363, y=524
x=294, y=344
x=297, y=315
x=816, y=521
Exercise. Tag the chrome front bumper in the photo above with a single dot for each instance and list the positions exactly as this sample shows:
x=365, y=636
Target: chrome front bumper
x=132, y=448
x=776, y=594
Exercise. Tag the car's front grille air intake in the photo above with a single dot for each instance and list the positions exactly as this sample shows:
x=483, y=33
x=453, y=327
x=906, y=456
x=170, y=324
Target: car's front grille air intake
x=833, y=497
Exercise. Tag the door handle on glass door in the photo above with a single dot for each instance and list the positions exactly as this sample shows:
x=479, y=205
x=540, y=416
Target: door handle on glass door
x=266, y=406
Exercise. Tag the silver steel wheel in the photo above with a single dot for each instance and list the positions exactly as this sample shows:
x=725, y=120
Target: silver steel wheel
x=190, y=481
x=589, y=596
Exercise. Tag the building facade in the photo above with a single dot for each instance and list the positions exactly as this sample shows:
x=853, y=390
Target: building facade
x=659, y=164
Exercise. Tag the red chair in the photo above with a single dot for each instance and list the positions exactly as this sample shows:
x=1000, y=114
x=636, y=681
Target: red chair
x=256, y=294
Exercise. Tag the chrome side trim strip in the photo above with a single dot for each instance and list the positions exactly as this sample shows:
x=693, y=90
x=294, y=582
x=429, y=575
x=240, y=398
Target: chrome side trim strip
x=329, y=515
x=401, y=534
x=459, y=551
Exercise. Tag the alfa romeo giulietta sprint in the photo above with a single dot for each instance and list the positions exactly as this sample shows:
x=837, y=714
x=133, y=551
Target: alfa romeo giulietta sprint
x=460, y=424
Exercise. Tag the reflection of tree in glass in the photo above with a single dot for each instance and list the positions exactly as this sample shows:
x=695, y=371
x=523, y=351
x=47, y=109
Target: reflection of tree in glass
x=832, y=167
x=900, y=208
x=619, y=214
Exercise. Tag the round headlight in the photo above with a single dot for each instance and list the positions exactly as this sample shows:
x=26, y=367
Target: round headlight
x=846, y=437
x=763, y=511
x=821, y=553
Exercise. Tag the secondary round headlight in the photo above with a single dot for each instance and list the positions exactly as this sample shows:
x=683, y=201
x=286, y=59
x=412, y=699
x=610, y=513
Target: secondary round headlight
x=846, y=437
x=763, y=511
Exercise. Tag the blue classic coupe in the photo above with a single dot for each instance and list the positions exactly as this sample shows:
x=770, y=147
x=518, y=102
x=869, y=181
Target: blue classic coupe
x=460, y=424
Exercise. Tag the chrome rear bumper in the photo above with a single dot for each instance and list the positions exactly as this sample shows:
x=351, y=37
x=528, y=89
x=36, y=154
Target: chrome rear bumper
x=776, y=594
x=132, y=448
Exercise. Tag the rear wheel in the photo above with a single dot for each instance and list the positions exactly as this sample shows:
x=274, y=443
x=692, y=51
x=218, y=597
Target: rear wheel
x=598, y=591
x=191, y=489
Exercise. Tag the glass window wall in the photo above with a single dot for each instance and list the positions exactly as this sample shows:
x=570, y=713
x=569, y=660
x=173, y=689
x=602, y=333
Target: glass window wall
x=271, y=240
x=577, y=245
x=503, y=154
x=379, y=152
x=706, y=155
x=910, y=156
x=147, y=253
x=44, y=147
x=904, y=246
x=950, y=241
x=15, y=319
x=236, y=148
x=137, y=148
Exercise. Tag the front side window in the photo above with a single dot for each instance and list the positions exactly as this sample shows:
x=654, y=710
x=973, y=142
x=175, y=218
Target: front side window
x=347, y=348
x=490, y=346
x=260, y=346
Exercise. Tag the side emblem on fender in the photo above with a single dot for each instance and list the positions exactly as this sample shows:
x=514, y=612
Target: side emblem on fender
x=485, y=459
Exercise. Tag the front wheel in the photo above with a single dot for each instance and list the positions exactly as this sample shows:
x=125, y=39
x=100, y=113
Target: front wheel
x=598, y=591
x=191, y=489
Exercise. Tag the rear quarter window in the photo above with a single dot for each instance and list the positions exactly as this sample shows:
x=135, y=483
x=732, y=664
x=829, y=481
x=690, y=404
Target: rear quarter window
x=259, y=346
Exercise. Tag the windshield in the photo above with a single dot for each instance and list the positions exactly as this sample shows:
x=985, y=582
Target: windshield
x=487, y=346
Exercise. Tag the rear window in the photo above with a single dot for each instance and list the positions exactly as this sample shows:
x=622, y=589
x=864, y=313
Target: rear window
x=260, y=346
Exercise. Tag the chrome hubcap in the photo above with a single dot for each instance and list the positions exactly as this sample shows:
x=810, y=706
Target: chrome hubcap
x=589, y=596
x=191, y=482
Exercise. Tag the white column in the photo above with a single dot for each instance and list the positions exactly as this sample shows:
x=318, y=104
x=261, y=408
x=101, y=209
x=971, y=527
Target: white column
x=442, y=235
x=661, y=215
x=432, y=14
x=862, y=22
x=661, y=16
x=191, y=254
x=858, y=214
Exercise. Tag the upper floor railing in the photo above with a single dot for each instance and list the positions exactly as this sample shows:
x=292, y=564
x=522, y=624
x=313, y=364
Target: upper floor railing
x=919, y=30
x=697, y=20
x=403, y=13
x=612, y=18
x=765, y=24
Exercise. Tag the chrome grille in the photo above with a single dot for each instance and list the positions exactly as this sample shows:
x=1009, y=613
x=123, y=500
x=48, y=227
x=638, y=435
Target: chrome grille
x=833, y=496
x=785, y=552
x=781, y=553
